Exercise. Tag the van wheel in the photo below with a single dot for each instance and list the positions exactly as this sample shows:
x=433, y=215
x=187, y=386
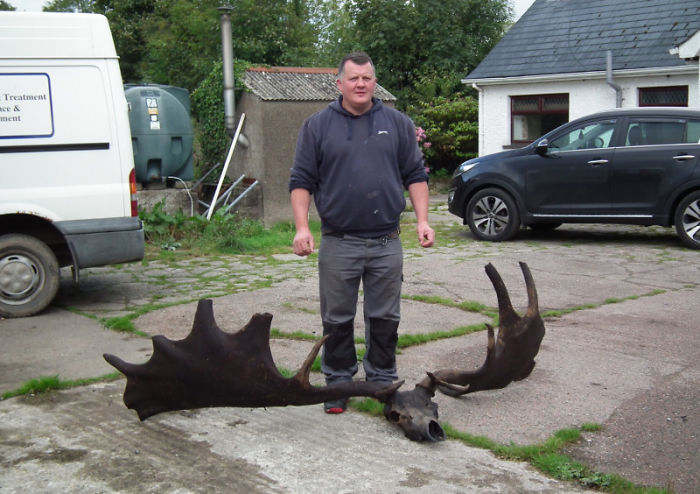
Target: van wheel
x=492, y=215
x=29, y=275
x=687, y=220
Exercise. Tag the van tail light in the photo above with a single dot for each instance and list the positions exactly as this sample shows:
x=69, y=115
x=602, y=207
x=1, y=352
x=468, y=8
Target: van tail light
x=132, y=192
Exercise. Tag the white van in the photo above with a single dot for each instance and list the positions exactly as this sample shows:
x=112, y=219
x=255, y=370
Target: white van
x=67, y=179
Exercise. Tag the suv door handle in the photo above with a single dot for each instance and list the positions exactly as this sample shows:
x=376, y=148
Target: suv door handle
x=597, y=162
x=684, y=157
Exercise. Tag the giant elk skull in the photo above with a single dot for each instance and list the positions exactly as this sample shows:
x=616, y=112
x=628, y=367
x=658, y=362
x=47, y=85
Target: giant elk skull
x=211, y=368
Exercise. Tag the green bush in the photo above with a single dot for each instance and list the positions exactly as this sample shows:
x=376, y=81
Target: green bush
x=208, y=111
x=451, y=126
x=227, y=233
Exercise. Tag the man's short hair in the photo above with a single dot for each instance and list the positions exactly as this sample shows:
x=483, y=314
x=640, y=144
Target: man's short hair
x=358, y=57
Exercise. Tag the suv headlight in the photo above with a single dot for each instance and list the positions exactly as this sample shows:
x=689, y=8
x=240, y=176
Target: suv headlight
x=464, y=167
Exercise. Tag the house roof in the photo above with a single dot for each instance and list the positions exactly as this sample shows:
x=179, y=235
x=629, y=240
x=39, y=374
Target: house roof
x=298, y=84
x=571, y=36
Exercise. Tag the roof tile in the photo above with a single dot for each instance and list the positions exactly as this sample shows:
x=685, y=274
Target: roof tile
x=298, y=84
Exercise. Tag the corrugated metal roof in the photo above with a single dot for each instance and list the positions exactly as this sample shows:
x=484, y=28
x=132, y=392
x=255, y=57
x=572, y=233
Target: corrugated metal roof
x=569, y=36
x=298, y=84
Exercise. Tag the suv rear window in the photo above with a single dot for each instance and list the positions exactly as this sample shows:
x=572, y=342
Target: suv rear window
x=642, y=132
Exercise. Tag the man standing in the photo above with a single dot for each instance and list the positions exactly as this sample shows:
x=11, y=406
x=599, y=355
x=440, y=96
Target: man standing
x=356, y=157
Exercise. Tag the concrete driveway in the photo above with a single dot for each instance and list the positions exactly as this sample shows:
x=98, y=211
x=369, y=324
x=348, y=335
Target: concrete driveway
x=627, y=358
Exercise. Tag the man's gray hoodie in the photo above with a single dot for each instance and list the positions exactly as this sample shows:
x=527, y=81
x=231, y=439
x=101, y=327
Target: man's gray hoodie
x=357, y=167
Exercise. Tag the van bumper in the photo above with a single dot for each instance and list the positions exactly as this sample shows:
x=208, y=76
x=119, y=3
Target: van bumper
x=99, y=242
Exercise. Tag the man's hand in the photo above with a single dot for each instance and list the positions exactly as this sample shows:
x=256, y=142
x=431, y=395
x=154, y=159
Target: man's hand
x=426, y=235
x=303, y=242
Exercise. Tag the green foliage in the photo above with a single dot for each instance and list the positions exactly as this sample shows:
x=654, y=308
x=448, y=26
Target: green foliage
x=408, y=340
x=336, y=31
x=227, y=233
x=422, y=49
x=548, y=458
x=452, y=127
x=208, y=109
x=6, y=6
x=367, y=405
x=48, y=383
x=183, y=43
x=273, y=32
x=122, y=324
x=70, y=6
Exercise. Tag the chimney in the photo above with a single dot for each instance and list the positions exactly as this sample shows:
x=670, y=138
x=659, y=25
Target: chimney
x=229, y=83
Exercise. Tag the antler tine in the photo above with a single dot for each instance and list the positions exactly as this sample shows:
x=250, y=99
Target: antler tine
x=532, y=302
x=506, y=314
x=303, y=375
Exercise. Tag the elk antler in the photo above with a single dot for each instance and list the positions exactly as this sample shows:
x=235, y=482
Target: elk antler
x=509, y=358
x=210, y=368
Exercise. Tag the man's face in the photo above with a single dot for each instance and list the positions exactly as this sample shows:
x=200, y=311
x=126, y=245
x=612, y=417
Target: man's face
x=357, y=86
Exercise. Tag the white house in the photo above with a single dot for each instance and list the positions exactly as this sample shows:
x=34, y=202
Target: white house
x=564, y=59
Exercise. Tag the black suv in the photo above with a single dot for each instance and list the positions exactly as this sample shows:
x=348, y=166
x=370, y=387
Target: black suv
x=627, y=166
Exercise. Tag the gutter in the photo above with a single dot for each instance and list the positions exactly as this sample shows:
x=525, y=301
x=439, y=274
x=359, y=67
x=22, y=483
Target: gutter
x=577, y=76
x=610, y=81
x=481, y=117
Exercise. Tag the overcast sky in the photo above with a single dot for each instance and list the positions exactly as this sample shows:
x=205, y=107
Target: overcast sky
x=27, y=5
x=519, y=6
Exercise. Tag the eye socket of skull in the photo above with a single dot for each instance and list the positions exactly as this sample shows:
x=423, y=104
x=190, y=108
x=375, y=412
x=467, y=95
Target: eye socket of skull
x=394, y=416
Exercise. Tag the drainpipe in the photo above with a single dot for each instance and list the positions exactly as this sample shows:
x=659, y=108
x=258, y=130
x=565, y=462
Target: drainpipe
x=481, y=118
x=609, y=80
x=229, y=84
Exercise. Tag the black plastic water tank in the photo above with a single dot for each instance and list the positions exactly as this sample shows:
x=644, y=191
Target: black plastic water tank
x=161, y=131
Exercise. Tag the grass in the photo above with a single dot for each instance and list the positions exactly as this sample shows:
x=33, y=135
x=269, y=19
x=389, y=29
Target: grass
x=547, y=458
x=49, y=383
x=409, y=340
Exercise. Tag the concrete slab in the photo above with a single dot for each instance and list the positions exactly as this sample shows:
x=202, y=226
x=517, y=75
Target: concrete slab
x=60, y=343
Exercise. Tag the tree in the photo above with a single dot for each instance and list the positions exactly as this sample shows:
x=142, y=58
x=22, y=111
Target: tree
x=428, y=44
x=184, y=37
x=5, y=6
x=422, y=49
x=184, y=40
x=70, y=6
x=336, y=31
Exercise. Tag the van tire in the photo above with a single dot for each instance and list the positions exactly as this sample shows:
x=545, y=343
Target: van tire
x=29, y=275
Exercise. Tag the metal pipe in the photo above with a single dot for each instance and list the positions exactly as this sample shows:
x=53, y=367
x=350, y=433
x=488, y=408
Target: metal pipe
x=482, y=123
x=226, y=165
x=229, y=84
x=609, y=80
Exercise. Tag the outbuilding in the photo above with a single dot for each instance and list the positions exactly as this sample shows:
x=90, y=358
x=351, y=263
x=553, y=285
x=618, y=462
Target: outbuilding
x=276, y=103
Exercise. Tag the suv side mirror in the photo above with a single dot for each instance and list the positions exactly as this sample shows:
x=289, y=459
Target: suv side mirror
x=542, y=147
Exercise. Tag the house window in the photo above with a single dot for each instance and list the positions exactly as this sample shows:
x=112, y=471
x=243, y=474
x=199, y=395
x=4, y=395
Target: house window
x=535, y=115
x=663, y=96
